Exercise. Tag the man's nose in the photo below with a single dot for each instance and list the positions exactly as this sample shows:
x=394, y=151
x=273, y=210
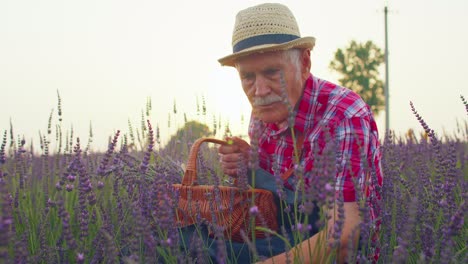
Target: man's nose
x=261, y=86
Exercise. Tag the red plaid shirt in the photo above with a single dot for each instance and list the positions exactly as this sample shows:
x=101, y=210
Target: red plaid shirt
x=328, y=113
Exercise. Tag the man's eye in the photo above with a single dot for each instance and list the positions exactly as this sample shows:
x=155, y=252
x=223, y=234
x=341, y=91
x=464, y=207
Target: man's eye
x=248, y=76
x=271, y=72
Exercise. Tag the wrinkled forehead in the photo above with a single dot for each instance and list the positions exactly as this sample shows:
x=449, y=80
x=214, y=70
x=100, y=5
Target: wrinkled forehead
x=262, y=57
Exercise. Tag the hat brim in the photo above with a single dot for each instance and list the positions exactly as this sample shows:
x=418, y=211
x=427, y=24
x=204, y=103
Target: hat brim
x=305, y=42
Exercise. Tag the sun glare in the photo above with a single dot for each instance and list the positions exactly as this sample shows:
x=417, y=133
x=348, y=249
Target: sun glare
x=229, y=101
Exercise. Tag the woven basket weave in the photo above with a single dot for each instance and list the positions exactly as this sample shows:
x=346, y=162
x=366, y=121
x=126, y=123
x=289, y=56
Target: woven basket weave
x=225, y=206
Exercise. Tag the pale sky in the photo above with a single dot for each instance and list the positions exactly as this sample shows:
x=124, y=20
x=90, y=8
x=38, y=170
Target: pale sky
x=106, y=57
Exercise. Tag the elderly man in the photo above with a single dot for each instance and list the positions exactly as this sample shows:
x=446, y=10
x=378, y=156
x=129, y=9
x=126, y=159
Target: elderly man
x=295, y=112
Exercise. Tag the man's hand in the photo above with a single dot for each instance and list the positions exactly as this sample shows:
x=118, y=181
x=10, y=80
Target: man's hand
x=317, y=246
x=233, y=155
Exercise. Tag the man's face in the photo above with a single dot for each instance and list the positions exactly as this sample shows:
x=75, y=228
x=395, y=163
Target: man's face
x=260, y=76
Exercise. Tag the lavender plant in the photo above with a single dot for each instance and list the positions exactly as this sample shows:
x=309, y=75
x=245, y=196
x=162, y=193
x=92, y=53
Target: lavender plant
x=77, y=206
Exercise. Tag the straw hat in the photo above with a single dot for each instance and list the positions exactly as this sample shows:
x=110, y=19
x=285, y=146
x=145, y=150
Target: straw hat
x=262, y=28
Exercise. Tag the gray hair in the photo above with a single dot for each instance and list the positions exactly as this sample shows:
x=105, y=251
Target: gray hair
x=294, y=56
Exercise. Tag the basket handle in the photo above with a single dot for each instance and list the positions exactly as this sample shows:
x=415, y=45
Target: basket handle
x=190, y=175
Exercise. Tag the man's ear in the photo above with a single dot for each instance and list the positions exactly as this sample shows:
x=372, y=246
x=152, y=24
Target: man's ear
x=305, y=63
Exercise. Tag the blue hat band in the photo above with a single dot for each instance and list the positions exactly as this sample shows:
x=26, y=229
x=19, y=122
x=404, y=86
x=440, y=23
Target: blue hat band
x=263, y=39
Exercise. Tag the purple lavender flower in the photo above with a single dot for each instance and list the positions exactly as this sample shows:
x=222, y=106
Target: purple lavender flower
x=465, y=102
x=71, y=178
x=141, y=233
x=6, y=219
x=450, y=231
x=146, y=158
x=68, y=187
x=401, y=253
x=254, y=210
x=80, y=258
x=2, y=149
x=100, y=185
x=221, y=253
x=339, y=222
x=66, y=229
x=103, y=165
x=21, y=249
x=110, y=249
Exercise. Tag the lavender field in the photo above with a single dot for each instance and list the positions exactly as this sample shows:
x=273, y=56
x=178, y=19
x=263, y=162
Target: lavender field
x=65, y=204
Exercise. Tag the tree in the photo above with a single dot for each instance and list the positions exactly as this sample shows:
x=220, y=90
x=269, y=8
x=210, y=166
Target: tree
x=358, y=66
x=180, y=143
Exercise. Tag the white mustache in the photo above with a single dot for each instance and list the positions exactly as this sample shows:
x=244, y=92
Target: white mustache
x=260, y=101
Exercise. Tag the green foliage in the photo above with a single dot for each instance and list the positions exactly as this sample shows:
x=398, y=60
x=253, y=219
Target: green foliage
x=191, y=131
x=358, y=66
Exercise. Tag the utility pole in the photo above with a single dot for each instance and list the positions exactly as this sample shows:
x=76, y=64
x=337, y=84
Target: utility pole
x=387, y=100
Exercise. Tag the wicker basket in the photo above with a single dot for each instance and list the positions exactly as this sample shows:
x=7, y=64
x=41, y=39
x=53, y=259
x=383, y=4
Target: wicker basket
x=225, y=206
